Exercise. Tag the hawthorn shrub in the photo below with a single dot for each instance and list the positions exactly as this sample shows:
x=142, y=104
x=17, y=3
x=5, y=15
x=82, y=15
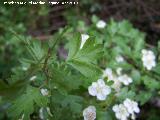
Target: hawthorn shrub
x=108, y=73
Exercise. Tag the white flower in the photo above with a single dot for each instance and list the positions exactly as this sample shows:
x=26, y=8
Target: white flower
x=131, y=106
x=84, y=38
x=33, y=78
x=120, y=112
x=99, y=89
x=125, y=79
x=108, y=73
x=89, y=113
x=44, y=92
x=119, y=59
x=148, y=59
x=101, y=24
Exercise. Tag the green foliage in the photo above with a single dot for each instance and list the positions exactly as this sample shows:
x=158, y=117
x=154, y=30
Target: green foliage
x=125, y=93
x=64, y=79
x=83, y=59
x=71, y=105
x=25, y=103
x=29, y=65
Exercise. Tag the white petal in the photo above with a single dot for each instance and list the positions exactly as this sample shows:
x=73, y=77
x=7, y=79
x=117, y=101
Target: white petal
x=118, y=115
x=137, y=110
x=100, y=96
x=92, y=90
x=106, y=90
x=101, y=82
x=84, y=38
x=115, y=108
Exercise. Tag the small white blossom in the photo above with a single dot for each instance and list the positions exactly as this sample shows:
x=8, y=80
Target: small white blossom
x=125, y=79
x=120, y=112
x=44, y=92
x=89, y=113
x=101, y=24
x=148, y=59
x=119, y=59
x=131, y=106
x=99, y=89
x=33, y=78
x=108, y=73
x=84, y=38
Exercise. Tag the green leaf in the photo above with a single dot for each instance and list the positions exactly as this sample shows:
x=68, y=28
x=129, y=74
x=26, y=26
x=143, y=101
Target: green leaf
x=63, y=78
x=83, y=59
x=38, y=52
x=104, y=115
x=157, y=69
x=88, y=70
x=139, y=45
x=90, y=51
x=94, y=19
x=74, y=102
x=25, y=103
x=74, y=46
x=125, y=93
x=10, y=91
x=151, y=83
x=143, y=97
x=136, y=76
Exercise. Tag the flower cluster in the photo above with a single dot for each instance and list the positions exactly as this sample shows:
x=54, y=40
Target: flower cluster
x=117, y=79
x=100, y=90
x=148, y=59
x=123, y=111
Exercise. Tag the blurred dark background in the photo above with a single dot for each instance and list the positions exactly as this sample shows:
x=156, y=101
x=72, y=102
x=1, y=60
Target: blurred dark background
x=144, y=14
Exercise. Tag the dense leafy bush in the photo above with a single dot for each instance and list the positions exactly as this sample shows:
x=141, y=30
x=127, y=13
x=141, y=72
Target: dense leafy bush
x=108, y=69
x=108, y=73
